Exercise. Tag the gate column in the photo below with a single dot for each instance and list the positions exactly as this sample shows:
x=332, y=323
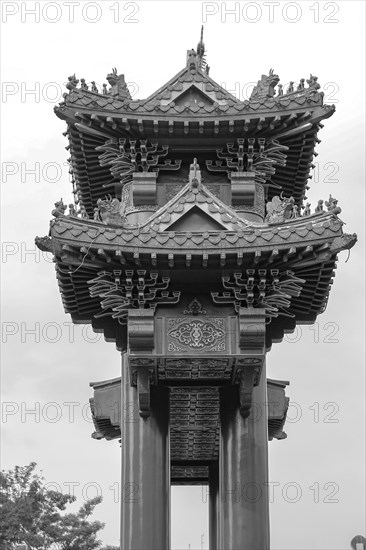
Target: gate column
x=145, y=489
x=244, y=507
x=214, y=506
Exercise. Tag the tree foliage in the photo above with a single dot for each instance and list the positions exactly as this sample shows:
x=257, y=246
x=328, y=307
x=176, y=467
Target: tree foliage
x=32, y=514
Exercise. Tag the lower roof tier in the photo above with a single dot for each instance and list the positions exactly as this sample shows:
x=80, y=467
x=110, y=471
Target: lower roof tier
x=286, y=268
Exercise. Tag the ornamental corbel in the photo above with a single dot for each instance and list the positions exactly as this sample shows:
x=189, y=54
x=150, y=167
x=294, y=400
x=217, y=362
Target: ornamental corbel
x=243, y=189
x=141, y=340
x=252, y=329
x=144, y=188
x=140, y=330
x=252, y=336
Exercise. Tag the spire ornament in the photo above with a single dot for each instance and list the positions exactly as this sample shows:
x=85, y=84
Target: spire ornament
x=201, y=54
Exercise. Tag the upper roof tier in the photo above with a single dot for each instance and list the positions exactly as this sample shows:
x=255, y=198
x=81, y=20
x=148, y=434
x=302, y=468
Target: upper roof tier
x=191, y=115
x=193, y=103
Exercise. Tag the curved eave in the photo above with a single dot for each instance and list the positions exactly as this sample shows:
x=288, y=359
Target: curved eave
x=174, y=127
x=107, y=105
x=312, y=301
x=88, y=130
x=309, y=249
x=92, y=181
x=115, y=242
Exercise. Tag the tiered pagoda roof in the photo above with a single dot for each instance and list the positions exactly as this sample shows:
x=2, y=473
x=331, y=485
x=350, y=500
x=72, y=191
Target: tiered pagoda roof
x=193, y=193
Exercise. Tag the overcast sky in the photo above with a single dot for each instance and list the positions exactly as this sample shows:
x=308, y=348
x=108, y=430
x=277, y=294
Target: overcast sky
x=317, y=473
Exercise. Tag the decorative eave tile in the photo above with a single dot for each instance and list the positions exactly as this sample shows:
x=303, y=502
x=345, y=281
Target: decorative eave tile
x=267, y=236
x=162, y=238
x=145, y=237
x=214, y=239
x=76, y=231
x=102, y=102
x=301, y=231
x=110, y=235
x=250, y=238
x=60, y=228
x=180, y=239
x=180, y=108
x=284, y=234
x=198, y=239
x=134, y=105
x=319, y=229
x=127, y=237
x=232, y=239
x=92, y=233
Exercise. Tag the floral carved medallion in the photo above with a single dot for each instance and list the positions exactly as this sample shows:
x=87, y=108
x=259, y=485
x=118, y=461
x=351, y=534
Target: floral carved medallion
x=196, y=334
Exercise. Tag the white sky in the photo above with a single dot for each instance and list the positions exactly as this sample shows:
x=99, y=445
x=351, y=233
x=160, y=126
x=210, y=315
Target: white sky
x=325, y=365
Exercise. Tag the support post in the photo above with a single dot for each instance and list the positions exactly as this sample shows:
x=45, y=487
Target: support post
x=244, y=504
x=145, y=488
x=214, y=506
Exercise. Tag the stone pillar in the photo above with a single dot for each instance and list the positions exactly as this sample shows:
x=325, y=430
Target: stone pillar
x=145, y=487
x=244, y=505
x=214, y=506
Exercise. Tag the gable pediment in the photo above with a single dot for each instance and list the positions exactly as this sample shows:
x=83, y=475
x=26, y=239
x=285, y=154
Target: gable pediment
x=193, y=210
x=193, y=96
x=193, y=89
x=195, y=219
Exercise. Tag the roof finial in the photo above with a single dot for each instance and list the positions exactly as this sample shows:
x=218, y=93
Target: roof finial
x=197, y=59
x=200, y=45
x=202, y=64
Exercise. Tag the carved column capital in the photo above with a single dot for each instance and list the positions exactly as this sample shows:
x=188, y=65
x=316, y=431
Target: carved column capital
x=141, y=340
x=140, y=330
x=144, y=188
x=252, y=327
x=243, y=188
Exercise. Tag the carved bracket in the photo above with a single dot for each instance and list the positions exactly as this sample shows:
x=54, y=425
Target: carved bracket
x=141, y=340
x=270, y=290
x=124, y=291
x=252, y=327
x=250, y=155
x=243, y=188
x=252, y=323
x=144, y=188
x=140, y=330
x=126, y=157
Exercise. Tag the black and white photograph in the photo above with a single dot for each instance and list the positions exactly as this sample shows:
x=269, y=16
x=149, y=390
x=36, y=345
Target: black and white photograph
x=182, y=275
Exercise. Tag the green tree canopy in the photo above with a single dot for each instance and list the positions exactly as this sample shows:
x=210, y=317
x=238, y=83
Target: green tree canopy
x=31, y=514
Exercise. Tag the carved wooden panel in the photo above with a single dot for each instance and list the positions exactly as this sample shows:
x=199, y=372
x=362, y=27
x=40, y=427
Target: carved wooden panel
x=190, y=334
x=189, y=475
x=195, y=369
x=194, y=423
